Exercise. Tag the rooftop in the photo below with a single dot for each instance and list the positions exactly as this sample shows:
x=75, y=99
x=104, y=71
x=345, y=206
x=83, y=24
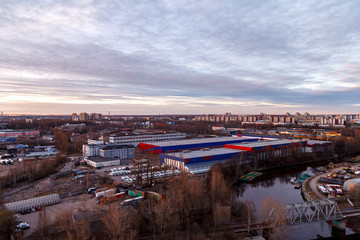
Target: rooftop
x=267, y=143
x=312, y=142
x=205, y=152
x=109, y=147
x=199, y=140
x=100, y=159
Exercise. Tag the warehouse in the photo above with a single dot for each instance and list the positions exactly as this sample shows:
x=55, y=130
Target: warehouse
x=136, y=139
x=194, y=144
x=190, y=161
x=318, y=146
x=264, y=149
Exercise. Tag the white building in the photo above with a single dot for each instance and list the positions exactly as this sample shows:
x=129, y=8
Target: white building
x=90, y=150
x=136, y=139
x=117, y=151
x=98, y=162
x=334, y=121
x=92, y=141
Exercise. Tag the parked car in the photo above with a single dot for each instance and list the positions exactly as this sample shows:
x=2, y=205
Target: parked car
x=23, y=226
x=91, y=190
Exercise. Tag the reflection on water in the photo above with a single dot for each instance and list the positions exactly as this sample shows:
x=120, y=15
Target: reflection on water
x=276, y=184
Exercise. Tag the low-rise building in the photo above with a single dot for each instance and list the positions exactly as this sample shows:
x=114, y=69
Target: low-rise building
x=99, y=162
x=117, y=151
x=136, y=139
x=318, y=146
x=90, y=150
x=189, y=161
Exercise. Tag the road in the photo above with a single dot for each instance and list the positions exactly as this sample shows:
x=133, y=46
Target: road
x=313, y=182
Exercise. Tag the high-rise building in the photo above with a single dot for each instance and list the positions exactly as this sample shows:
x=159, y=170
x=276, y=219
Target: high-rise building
x=96, y=116
x=74, y=117
x=84, y=116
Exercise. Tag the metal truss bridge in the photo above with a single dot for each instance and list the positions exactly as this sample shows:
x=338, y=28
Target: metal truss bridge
x=306, y=212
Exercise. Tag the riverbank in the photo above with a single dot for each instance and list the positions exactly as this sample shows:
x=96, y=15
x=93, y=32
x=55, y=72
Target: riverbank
x=310, y=187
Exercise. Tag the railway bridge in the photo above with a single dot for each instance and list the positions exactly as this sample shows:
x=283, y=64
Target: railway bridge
x=301, y=213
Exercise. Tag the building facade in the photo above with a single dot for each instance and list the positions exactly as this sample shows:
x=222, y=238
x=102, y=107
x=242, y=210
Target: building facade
x=117, y=151
x=136, y=139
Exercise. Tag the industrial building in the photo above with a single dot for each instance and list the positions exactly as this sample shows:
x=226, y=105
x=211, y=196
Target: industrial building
x=10, y=133
x=136, y=139
x=90, y=150
x=117, y=151
x=99, y=162
x=195, y=154
x=318, y=146
x=191, y=161
x=193, y=144
x=276, y=148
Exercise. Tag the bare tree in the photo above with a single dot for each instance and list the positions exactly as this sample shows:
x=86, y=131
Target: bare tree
x=250, y=209
x=8, y=223
x=219, y=190
x=43, y=222
x=138, y=163
x=279, y=224
x=164, y=216
x=117, y=221
x=220, y=195
x=82, y=230
x=65, y=223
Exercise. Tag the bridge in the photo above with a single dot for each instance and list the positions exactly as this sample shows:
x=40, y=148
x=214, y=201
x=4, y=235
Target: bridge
x=306, y=212
x=301, y=213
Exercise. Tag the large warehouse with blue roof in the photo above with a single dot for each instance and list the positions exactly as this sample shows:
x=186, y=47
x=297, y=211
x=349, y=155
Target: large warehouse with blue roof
x=198, y=155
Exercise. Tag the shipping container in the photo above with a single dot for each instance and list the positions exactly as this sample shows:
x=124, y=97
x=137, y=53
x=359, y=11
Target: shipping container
x=131, y=193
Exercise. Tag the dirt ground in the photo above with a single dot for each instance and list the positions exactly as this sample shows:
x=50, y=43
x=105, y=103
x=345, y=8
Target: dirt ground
x=47, y=186
x=4, y=169
x=314, y=181
x=84, y=202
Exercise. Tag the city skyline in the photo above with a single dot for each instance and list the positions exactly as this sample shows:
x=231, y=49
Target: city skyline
x=167, y=57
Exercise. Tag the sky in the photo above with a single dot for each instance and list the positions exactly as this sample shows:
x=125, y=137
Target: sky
x=179, y=56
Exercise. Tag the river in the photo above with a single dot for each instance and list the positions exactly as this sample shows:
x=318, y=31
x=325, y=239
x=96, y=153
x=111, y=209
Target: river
x=276, y=185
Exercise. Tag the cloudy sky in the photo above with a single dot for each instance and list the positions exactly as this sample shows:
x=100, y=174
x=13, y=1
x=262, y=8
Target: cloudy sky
x=172, y=56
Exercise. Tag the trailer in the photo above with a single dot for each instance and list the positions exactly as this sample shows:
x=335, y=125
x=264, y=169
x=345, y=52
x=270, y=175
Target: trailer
x=106, y=193
x=112, y=198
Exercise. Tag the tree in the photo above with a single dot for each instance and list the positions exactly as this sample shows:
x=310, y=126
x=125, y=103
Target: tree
x=43, y=222
x=117, y=221
x=279, y=222
x=164, y=216
x=62, y=142
x=74, y=230
x=250, y=209
x=78, y=144
x=138, y=163
x=8, y=223
x=65, y=223
x=82, y=230
x=220, y=195
x=219, y=190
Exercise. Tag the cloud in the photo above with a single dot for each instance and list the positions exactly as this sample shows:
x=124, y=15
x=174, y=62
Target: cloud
x=274, y=55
